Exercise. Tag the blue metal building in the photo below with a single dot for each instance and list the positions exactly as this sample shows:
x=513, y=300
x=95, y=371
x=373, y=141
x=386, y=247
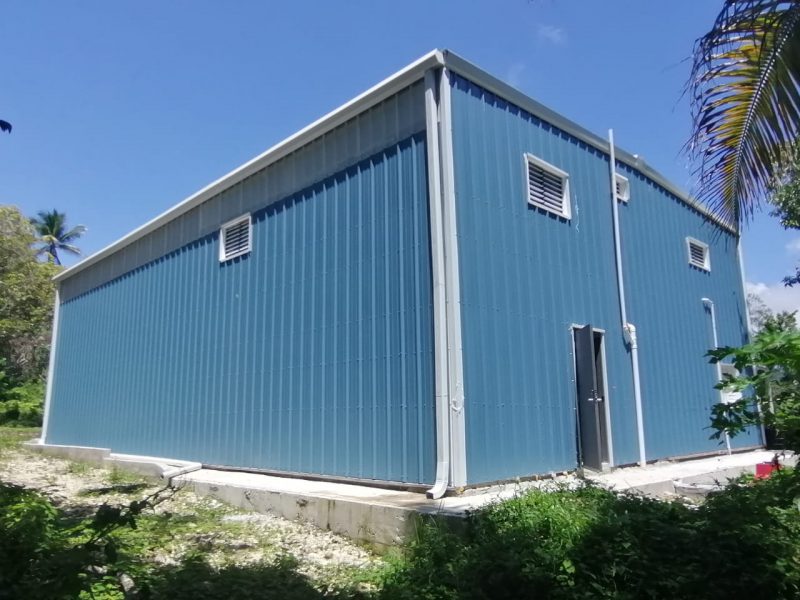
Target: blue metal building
x=441, y=283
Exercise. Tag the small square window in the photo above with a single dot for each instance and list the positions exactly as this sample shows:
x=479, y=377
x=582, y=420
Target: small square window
x=698, y=254
x=622, y=189
x=235, y=238
x=547, y=187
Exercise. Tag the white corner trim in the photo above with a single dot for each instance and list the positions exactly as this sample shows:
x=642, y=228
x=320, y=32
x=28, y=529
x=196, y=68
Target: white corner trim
x=458, y=444
x=441, y=394
x=51, y=365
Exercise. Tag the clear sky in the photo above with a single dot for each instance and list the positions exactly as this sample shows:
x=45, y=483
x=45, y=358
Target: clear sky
x=122, y=109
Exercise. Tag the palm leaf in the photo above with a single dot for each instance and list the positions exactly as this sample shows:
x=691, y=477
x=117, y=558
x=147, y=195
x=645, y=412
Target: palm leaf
x=745, y=94
x=74, y=233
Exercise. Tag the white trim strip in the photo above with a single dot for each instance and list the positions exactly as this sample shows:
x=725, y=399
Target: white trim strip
x=371, y=97
x=357, y=105
x=502, y=89
x=442, y=404
x=51, y=365
x=458, y=442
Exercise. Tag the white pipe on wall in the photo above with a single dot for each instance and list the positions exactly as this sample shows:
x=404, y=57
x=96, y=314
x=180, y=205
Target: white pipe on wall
x=442, y=396
x=628, y=329
x=709, y=304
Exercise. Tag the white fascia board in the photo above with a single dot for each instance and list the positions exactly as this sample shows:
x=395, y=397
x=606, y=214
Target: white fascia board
x=505, y=91
x=376, y=94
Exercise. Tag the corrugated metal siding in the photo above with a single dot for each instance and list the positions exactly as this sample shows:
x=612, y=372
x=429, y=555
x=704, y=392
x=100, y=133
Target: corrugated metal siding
x=674, y=328
x=526, y=277
x=394, y=119
x=312, y=354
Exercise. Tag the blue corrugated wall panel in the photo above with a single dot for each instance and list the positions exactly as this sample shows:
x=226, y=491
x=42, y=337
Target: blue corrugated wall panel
x=674, y=328
x=311, y=354
x=526, y=278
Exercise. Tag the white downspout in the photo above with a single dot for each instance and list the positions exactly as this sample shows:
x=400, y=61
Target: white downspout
x=709, y=304
x=458, y=441
x=628, y=329
x=51, y=364
x=441, y=376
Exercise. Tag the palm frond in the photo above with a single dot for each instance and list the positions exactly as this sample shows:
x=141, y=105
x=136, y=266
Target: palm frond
x=74, y=233
x=70, y=248
x=745, y=94
x=5, y=126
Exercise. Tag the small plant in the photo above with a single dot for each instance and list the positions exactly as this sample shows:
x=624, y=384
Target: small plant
x=769, y=380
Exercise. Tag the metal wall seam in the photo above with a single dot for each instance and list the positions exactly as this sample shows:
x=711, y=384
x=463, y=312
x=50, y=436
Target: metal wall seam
x=51, y=365
x=439, y=292
x=458, y=451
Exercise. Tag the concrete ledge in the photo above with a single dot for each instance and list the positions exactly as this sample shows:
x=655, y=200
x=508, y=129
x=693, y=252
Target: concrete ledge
x=82, y=453
x=381, y=518
x=384, y=518
x=147, y=466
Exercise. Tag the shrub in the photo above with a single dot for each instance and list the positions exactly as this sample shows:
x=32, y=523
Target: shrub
x=23, y=405
x=591, y=543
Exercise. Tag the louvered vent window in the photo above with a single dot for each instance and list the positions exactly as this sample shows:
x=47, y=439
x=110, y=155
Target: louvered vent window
x=548, y=187
x=698, y=254
x=623, y=188
x=234, y=238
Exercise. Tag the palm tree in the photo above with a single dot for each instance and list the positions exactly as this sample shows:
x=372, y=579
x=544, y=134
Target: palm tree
x=745, y=94
x=51, y=227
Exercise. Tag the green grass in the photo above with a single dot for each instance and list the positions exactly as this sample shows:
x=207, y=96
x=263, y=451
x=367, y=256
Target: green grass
x=12, y=437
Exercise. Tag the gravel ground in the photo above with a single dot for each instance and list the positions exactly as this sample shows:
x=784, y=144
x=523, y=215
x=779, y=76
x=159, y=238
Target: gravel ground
x=226, y=535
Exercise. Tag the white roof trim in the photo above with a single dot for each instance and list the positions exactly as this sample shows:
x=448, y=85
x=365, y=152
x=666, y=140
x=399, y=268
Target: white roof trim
x=362, y=102
x=333, y=119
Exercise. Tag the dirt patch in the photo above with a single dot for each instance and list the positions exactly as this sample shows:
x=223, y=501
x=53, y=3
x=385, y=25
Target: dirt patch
x=186, y=524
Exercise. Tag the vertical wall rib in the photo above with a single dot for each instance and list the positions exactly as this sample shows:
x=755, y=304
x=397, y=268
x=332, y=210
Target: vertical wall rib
x=311, y=354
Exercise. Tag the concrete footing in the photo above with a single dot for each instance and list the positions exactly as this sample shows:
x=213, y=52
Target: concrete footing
x=385, y=518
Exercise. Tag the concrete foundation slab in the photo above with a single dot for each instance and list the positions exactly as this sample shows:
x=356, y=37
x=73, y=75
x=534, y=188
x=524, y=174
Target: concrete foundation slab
x=385, y=518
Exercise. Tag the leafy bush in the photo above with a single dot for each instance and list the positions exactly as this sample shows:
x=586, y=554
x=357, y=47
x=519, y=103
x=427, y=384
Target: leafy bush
x=770, y=382
x=45, y=555
x=22, y=405
x=744, y=542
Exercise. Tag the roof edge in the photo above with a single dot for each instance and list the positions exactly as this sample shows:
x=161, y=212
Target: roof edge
x=377, y=93
x=493, y=84
x=374, y=95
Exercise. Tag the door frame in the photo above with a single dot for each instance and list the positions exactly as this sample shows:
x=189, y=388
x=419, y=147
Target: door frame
x=609, y=432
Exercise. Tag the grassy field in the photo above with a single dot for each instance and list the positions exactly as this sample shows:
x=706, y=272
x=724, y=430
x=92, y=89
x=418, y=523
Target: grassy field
x=743, y=542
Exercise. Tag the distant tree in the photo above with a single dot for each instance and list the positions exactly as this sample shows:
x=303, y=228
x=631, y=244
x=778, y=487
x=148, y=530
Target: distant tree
x=744, y=90
x=26, y=299
x=54, y=236
x=762, y=318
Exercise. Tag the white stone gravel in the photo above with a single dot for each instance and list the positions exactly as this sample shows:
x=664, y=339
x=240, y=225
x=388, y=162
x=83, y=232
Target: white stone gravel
x=240, y=537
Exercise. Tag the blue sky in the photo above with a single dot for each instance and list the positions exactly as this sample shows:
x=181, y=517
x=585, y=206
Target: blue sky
x=121, y=110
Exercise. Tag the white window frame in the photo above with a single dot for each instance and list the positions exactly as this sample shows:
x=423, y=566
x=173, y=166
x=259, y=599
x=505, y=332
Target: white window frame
x=706, y=266
x=622, y=181
x=223, y=231
x=566, y=202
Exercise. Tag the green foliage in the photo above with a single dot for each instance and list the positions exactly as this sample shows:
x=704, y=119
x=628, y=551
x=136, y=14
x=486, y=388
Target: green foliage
x=745, y=102
x=591, y=543
x=51, y=227
x=44, y=554
x=26, y=300
x=769, y=379
x=22, y=405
